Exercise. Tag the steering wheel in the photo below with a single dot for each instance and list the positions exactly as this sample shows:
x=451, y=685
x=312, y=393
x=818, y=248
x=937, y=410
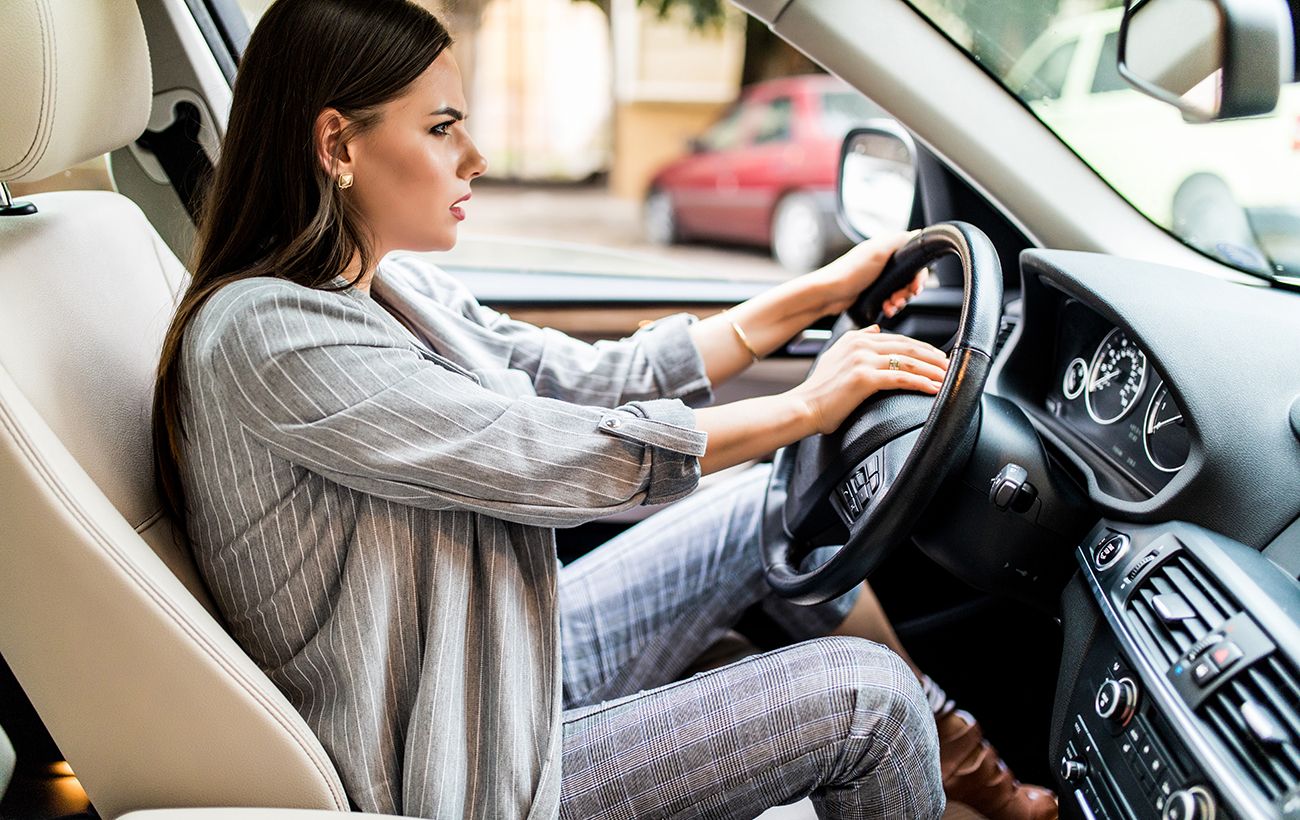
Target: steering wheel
x=877, y=474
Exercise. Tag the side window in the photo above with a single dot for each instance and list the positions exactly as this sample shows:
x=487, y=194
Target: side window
x=1107, y=76
x=1049, y=80
x=725, y=133
x=774, y=122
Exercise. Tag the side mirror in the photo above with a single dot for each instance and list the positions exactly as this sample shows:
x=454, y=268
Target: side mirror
x=1212, y=59
x=877, y=180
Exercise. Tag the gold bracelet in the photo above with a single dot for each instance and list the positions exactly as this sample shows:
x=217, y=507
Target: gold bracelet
x=744, y=340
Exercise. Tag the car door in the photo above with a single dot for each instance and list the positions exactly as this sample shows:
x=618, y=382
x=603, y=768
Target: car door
x=703, y=185
x=766, y=167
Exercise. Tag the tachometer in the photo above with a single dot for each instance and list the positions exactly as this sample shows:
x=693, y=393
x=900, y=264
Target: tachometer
x=1115, y=379
x=1164, y=433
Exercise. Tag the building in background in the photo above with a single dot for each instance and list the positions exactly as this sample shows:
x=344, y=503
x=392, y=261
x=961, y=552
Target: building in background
x=568, y=90
x=565, y=90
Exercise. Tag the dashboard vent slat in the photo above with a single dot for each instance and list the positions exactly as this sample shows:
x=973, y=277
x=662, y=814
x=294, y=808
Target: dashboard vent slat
x=1278, y=764
x=1146, y=616
x=1255, y=710
x=1233, y=733
x=1267, y=684
x=1275, y=765
x=1178, y=576
x=1191, y=585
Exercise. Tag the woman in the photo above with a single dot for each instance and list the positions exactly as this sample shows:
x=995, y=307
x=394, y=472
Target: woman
x=369, y=466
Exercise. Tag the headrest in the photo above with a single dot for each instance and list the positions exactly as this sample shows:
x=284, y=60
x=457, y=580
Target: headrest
x=74, y=80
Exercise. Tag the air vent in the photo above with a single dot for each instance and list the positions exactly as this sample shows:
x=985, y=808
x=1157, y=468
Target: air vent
x=1257, y=716
x=1177, y=605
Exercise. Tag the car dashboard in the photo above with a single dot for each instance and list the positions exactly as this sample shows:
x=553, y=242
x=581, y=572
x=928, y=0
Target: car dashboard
x=1110, y=396
x=1179, y=690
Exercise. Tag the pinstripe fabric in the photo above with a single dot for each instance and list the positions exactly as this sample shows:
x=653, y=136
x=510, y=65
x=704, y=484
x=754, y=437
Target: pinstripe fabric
x=373, y=517
x=842, y=720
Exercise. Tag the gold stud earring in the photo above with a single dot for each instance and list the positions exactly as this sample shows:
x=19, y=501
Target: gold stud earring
x=345, y=181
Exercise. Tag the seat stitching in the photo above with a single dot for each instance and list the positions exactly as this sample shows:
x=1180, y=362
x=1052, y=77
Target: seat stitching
x=37, y=149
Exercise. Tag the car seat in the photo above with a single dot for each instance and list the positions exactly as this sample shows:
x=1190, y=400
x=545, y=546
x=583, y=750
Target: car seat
x=103, y=618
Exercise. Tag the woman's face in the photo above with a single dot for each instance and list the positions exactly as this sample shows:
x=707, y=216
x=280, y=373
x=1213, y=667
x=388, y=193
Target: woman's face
x=412, y=171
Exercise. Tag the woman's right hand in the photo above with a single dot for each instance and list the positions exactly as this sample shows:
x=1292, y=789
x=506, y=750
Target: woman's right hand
x=857, y=366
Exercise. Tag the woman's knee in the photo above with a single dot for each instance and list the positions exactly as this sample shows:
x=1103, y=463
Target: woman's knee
x=888, y=722
x=881, y=681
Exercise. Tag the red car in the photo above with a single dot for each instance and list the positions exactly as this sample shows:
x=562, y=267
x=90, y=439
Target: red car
x=764, y=174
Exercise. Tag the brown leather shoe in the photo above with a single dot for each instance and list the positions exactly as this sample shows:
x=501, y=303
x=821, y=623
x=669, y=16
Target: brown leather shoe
x=974, y=774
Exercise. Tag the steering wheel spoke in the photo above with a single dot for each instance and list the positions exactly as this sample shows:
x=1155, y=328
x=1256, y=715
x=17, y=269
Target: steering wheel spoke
x=856, y=496
x=873, y=478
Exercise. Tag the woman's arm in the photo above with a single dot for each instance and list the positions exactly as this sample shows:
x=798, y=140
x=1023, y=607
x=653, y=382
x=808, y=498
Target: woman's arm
x=316, y=381
x=773, y=317
x=855, y=367
x=658, y=361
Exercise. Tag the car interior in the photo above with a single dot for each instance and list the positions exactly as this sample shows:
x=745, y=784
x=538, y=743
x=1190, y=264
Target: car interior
x=1091, y=536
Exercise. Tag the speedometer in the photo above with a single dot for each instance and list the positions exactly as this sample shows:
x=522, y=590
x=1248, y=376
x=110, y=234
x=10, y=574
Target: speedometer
x=1115, y=379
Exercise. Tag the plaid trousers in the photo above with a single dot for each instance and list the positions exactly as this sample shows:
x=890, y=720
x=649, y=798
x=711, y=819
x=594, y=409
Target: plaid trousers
x=840, y=720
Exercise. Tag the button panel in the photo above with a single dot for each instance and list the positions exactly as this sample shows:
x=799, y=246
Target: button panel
x=1212, y=660
x=855, y=492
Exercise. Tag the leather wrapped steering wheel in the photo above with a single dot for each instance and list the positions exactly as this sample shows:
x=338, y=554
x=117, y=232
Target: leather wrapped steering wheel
x=878, y=473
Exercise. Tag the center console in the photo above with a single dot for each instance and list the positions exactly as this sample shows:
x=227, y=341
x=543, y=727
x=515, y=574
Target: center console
x=1179, y=695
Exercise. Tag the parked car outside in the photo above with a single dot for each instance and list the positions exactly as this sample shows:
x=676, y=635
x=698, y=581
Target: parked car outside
x=764, y=173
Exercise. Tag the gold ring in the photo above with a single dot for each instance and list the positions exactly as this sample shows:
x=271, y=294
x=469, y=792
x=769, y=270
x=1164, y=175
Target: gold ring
x=893, y=363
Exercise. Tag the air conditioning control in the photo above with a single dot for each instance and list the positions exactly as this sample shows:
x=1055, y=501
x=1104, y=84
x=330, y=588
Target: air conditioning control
x=1073, y=770
x=1189, y=804
x=1116, y=700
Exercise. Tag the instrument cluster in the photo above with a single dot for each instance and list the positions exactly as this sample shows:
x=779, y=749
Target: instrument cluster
x=1107, y=392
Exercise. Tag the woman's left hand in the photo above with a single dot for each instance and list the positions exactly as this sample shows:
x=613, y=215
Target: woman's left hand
x=844, y=279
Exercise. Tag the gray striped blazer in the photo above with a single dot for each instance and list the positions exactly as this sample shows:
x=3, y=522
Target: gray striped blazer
x=372, y=483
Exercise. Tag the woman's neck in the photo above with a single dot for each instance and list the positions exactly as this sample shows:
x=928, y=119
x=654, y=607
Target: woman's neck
x=361, y=279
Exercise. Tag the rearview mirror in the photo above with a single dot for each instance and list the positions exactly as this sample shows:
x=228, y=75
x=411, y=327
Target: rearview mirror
x=1212, y=59
x=877, y=181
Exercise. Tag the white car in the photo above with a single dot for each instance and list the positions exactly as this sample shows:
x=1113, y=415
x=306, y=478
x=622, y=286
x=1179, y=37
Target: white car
x=1068, y=75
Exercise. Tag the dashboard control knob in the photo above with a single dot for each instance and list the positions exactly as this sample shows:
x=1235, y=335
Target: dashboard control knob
x=1116, y=700
x=1189, y=804
x=1112, y=548
x=1073, y=770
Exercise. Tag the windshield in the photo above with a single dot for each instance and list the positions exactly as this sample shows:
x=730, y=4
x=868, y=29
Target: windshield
x=1229, y=189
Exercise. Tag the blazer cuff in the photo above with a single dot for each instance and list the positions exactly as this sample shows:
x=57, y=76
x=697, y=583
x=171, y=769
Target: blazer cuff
x=675, y=360
x=667, y=427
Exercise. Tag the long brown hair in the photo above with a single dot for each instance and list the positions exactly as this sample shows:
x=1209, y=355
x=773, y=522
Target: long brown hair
x=271, y=209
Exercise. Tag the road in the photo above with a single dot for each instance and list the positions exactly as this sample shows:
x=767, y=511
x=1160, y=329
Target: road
x=588, y=214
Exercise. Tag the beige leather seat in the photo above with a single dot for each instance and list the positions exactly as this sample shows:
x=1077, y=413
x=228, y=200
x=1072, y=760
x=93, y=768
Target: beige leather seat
x=102, y=620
